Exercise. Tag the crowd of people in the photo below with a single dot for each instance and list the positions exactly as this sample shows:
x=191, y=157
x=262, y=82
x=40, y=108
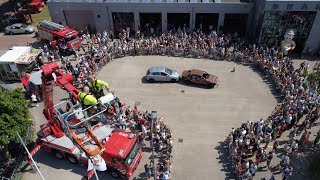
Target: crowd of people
x=248, y=145
x=298, y=111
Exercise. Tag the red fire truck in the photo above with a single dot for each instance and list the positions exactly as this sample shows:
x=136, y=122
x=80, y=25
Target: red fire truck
x=35, y=6
x=70, y=133
x=59, y=35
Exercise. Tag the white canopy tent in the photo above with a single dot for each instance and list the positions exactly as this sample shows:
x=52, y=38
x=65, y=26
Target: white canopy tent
x=16, y=61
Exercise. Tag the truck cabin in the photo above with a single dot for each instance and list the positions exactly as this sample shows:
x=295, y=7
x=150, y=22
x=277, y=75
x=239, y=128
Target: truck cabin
x=123, y=151
x=67, y=34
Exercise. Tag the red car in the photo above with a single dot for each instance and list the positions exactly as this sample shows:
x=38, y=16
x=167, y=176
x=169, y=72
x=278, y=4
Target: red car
x=200, y=77
x=11, y=18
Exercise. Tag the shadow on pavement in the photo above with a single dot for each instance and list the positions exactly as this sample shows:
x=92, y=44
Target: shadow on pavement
x=227, y=167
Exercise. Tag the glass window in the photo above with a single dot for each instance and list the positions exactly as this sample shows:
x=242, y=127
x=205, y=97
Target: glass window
x=156, y=73
x=132, y=154
x=23, y=26
x=163, y=74
x=276, y=23
x=168, y=71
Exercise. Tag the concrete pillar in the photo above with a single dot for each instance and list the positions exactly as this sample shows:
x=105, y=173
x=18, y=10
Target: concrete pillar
x=136, y=21
x=192, y=20
x=220, y=23
x=164, y=21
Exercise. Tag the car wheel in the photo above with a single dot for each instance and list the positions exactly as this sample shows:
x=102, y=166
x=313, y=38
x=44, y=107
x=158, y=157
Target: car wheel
x=10, y=32
x=211, y=86
x=173, y=80
x=58, y=154
x=186, y=80
x=151, y=80
x=114, y=174
x=72, y=159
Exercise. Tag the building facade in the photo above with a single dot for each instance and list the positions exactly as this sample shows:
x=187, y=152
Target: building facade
x=263, y=21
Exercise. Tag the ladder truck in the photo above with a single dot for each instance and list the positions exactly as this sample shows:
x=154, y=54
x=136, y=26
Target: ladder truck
x=59, y=36
x=69, y=132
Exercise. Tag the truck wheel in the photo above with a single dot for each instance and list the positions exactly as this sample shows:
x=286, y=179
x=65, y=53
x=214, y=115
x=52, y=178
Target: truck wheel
x=72, y=159
x=114, y=174
x=58, y=154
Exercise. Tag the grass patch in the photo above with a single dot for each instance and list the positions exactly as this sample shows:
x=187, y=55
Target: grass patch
x=44, y=15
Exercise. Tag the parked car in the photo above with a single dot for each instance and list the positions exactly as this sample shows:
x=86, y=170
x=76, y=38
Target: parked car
x=200, y=77
x=19, y=28
x=11, y=18
x=19, y=18
x=162, y=74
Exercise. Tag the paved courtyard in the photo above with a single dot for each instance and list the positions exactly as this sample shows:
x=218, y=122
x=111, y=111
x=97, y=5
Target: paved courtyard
x=201, y=118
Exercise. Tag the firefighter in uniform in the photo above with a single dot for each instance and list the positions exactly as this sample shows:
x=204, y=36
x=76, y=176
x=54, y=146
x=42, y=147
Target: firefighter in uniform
x=96, y=86
x=87, y=100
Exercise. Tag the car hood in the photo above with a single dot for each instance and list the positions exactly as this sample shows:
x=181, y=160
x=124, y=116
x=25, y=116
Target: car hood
x=213, y=79
x=29, y=28
x=185, y=73
x=175, y=74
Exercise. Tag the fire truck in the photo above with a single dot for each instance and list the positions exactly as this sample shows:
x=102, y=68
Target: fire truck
x=58, y=35
x=81, y=134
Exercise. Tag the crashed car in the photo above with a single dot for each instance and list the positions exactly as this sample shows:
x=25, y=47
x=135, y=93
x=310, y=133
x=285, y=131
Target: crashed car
x=200, y=77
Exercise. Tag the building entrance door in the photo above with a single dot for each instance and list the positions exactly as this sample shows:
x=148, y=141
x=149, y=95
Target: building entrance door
x=235, y=23
x=207, y=22
x=176, y=20
x=123, y=21
x=150, y=23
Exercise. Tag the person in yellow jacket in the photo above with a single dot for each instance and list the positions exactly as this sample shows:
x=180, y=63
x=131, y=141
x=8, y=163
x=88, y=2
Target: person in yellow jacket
x=86, y=98
x=97, y=86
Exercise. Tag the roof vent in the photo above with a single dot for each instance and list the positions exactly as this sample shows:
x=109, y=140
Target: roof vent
x=121, y=153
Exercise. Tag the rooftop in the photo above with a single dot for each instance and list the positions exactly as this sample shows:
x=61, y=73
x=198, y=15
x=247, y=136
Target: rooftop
x=158, y=1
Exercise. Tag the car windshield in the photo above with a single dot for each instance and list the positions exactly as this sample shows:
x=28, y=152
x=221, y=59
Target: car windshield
x=205, y=75
x=132, y=154
x=168, y=71
x=24, y=26
x=72, y=39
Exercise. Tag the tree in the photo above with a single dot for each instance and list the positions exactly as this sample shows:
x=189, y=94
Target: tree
x=314, y=78
x=14, y=116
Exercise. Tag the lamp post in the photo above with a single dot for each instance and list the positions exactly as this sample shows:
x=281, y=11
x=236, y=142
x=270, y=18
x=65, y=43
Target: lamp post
x=153, y=116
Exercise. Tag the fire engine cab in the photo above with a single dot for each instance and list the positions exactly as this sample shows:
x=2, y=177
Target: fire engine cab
x=81, y=134
x=58, y=35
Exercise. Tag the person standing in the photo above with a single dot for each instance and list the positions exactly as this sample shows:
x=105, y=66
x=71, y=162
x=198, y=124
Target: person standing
x=253, y=169
x=34, y=100
x=269, y=158
x=147, y=170
x=97, y=86
x=122, y=122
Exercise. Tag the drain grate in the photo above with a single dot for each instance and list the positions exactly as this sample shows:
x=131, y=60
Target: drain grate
x=180, y=140
x=137, y=103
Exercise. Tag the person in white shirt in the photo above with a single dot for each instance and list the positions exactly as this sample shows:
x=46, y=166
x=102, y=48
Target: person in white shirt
x=144, y=130
x=34, y=100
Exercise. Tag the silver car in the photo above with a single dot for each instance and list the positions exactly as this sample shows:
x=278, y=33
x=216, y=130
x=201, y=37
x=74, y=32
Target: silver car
x=19, y=28
x=162, y=74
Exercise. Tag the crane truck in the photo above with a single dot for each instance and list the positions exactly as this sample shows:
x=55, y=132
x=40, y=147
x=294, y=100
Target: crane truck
x=70, y=134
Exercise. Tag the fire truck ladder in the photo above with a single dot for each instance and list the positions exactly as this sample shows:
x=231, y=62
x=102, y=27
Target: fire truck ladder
x=77, y=127
x=51, y=25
